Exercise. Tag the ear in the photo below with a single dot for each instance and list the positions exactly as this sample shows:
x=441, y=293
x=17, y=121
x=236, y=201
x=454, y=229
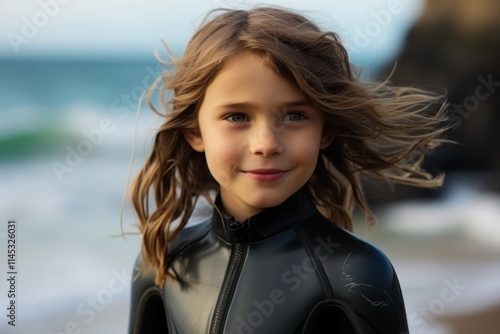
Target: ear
x=195, y=141
x=326, y=140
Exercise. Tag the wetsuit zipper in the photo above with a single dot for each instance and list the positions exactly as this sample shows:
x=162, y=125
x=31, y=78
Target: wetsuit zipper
x=238, y=252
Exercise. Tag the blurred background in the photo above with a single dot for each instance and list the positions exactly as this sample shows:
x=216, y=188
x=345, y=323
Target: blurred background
x=71, y=77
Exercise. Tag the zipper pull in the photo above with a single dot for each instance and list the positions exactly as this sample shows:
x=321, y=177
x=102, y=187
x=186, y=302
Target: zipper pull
x=238, y=231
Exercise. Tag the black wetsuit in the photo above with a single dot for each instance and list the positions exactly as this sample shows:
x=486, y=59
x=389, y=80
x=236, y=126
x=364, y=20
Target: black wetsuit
x=284, y=270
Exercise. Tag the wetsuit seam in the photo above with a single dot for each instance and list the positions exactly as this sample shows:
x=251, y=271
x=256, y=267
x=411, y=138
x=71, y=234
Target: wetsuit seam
x=319, y=270
x=150, y=292
x=183, y=248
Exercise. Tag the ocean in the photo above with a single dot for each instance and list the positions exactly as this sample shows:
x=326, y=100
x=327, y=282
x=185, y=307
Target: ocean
x=67, y=132
x=66, y=138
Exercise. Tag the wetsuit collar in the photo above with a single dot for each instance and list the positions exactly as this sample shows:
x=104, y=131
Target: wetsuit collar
x=266, y=223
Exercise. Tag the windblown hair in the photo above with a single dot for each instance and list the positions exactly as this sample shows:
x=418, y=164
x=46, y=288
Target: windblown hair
x=381, y=131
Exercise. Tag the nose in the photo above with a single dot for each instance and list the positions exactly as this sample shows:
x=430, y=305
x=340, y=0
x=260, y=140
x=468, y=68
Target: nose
x=267, y=141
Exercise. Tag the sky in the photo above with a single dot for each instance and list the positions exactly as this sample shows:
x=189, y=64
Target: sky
x=371, y=29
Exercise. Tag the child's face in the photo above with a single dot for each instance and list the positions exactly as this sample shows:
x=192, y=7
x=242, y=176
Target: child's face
x=260, y=137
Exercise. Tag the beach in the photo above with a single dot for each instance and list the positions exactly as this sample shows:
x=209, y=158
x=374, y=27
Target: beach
x=74, y=268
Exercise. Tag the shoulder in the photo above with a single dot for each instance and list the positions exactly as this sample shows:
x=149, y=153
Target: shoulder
x=349, y=261
x=359, y=273
x=187, y=237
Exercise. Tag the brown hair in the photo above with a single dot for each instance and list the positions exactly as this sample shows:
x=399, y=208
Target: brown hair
x=380, y=130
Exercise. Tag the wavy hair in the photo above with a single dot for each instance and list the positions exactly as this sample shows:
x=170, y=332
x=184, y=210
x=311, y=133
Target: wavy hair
x=381, y=131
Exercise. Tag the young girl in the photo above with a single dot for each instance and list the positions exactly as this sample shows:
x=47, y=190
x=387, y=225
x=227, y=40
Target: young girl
x=266, y=120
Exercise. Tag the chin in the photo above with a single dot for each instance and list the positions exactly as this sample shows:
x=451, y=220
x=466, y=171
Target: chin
x=267, y=201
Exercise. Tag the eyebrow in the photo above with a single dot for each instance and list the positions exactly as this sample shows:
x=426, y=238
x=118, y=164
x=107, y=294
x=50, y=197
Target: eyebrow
x=251, y=105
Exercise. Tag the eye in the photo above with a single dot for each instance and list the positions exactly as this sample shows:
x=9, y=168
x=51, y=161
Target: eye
x=294, y=116
x=236, y=118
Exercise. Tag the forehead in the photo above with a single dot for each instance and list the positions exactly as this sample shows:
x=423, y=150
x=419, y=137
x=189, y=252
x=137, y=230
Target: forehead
x=248, y=77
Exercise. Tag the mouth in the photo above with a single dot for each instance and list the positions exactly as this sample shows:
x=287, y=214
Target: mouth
x=266, y=175
x=266, y=171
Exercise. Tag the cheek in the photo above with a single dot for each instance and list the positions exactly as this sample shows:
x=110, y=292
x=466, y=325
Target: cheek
x=220, y=153
x=223, y=155
x=305, y=146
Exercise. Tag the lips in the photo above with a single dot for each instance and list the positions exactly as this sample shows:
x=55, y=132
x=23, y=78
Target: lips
x=266, y=175
x=266, y=171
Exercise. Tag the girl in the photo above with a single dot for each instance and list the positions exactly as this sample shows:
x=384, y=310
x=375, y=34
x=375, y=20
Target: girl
x=267, y=122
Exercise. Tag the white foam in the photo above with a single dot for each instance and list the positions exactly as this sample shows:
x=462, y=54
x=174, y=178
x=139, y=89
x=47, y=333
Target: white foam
x=473, y=213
